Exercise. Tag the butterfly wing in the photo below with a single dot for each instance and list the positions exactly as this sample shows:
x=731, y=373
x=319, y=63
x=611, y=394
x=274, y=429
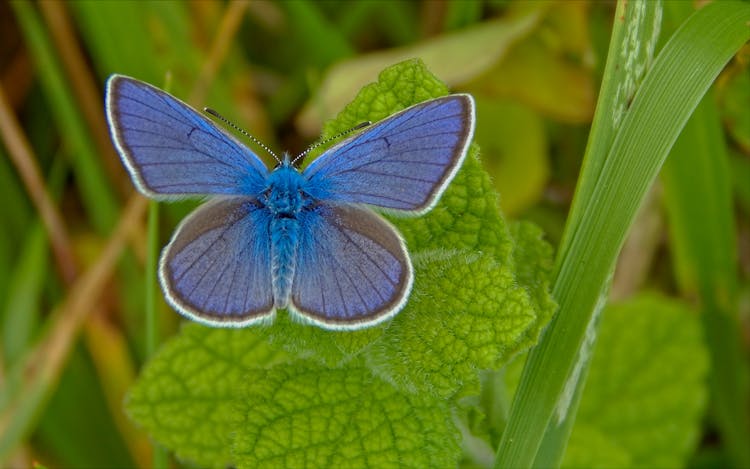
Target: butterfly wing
x=403, y=162
x=171, y=150
x=217, y=267
x=352, y=271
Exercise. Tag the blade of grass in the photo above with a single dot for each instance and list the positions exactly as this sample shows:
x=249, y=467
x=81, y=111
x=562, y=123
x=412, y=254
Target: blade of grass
x=106, y=29
x=460, y=14
x=17, y=208
x=634, y=37
x=20, y=152
x=96, y=195
x=26, y=163
x=21, y=312
x=680, y=76
x=84, y=86
x=30, y=382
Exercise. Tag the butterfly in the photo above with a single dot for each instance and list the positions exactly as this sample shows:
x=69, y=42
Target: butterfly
x=308, y=240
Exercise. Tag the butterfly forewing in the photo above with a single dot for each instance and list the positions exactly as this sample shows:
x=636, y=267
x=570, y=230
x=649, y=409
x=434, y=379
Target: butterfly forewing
x=402, y=163
x=352, y=269
x=217, y=267
x=171, y=150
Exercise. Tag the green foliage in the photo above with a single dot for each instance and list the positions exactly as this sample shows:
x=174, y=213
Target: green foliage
x=468, y=311
x=645, y=382
x=306, y=415
x=645, y=393
x=96, y=193
x=187, y=396
x=466, y=314
x=627, y=147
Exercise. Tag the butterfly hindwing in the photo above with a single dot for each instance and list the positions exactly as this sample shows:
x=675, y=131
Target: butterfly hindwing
x=170, y=150
x=403, y=162
x=217, y=267
x=352, y=271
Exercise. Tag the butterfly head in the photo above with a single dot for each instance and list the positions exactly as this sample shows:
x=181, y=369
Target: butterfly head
x=285, y=193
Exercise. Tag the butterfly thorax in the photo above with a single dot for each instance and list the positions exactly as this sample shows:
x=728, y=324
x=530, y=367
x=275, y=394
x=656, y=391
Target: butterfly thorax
x=285, y=198
x=284, y=195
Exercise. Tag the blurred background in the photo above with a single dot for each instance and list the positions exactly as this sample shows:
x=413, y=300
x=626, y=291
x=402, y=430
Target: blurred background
x=73, y=331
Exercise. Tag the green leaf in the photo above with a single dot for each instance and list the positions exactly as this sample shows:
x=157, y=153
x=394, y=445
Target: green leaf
x=332, y=348
x=645, y=394
x=588, y=447
x=305, y=415
x=532, y=261
x=186, y=396
x=467, y=217
x=468, y=313
x=465, y=315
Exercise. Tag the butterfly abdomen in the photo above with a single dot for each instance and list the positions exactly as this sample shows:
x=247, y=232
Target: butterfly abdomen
x=284, y=199
x=284, y=242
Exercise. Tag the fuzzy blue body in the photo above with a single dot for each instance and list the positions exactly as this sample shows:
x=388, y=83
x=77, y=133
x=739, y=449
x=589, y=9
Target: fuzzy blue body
x=285, y=197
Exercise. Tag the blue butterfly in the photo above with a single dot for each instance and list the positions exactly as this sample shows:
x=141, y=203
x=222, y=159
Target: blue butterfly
x=305, y=241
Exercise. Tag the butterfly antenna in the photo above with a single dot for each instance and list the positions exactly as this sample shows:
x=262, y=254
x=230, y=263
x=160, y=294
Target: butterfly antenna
x=238, y=129
x=323, y=142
